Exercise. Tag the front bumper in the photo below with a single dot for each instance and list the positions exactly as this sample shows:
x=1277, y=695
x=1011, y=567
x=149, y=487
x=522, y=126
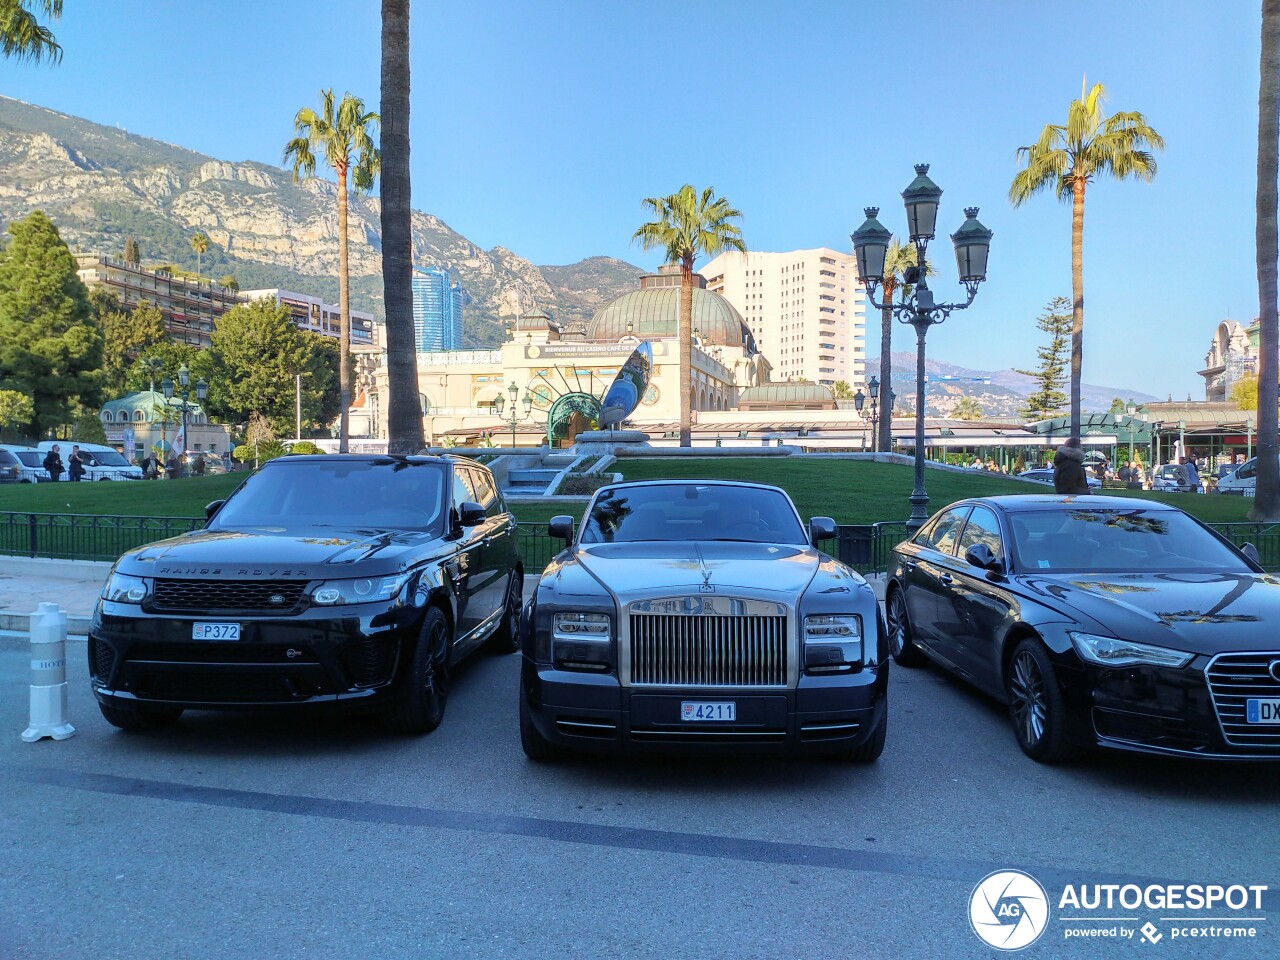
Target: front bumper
x=316, y=656
x=594, y=712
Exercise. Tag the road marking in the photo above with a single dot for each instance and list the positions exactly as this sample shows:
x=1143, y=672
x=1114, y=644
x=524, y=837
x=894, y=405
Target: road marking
x=742, y=849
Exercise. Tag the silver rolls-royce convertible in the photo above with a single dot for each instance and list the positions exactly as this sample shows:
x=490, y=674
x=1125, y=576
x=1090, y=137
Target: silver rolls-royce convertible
x=699, y=614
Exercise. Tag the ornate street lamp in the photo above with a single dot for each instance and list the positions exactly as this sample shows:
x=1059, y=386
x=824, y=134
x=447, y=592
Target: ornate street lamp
x=972, y=244
x=499, y=403
x=184, y=380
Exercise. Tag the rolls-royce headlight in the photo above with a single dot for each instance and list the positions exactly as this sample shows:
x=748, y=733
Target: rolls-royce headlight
x=832, y=642
x=582, y=641
x=1112, y=652
x=361, y=590
x=123, y=588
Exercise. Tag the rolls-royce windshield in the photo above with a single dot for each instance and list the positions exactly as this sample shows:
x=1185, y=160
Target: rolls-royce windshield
x=692, y=511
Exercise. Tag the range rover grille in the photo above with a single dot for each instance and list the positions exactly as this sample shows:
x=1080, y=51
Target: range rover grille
x=199, y=596
x=1234, y=679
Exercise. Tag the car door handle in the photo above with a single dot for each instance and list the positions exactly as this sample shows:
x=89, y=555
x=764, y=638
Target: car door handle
x=945, y=578
x=486, y=540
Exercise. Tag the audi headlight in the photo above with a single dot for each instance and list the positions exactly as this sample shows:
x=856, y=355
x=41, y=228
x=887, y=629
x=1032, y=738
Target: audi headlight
x=582, y=641
x=123, y=588
x=832, y=642
x=1112, y=652
x=364, y=590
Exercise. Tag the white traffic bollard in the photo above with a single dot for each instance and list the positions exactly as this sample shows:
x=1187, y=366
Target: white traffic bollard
x=48, y=675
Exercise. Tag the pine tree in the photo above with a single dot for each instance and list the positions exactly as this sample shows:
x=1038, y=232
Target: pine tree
x=50, y=348
x=131, y=251
x=1049, y=399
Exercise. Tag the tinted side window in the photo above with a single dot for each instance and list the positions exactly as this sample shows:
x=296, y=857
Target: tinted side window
x=482, y=484
x=983, y=527
x=946, y=531
x=462, y=489
x=1247, y=470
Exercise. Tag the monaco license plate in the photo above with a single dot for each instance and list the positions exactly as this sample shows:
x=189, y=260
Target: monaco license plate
x=696, y=710
x=1263, y=711
x=215, y=631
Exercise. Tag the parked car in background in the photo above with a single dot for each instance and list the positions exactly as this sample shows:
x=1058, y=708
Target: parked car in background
x=30, y=463
x=203, y=463
x=351, y=580
x=1045, y=475
x=1241, y=481
x=10, y=468
x=700, y=615
x=100, y=461
x=1169, y=478
x=1100, y=621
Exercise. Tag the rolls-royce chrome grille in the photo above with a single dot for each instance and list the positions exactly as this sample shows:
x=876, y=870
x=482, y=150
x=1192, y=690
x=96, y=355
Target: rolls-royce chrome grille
x=708, y=642
x=1235, y=679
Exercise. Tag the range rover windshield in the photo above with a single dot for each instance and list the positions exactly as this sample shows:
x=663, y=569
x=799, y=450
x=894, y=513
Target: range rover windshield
x=294, y=494
x=692, y=511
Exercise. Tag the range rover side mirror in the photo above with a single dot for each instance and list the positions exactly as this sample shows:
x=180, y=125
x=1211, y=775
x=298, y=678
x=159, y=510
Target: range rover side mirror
x=470, y=514
x=821, y=528
x=980, y=555
x=561, y=528
x=211, y=508
x=1251, y=552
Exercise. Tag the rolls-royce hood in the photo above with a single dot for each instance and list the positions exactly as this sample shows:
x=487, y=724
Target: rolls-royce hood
x=689, y=568
x=1197, y=612
x=276, y=554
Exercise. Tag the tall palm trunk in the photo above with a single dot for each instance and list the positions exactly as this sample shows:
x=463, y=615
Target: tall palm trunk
x=1266, y=504
x=404, y=415
x=1077, y=300
x=685, y=333
x=344, y=314
x=884, y=429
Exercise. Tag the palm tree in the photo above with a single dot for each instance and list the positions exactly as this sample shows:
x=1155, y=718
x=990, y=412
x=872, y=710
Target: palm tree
x=1066, y=159
x=688, y=225
x=896, y=261
x=23, y=37
x=200, y=244
x=343, y=134
x=404, y=416
x=1266, y=503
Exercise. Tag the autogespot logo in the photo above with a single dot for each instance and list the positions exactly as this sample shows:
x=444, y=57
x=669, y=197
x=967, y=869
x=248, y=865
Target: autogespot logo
x=1009, y=910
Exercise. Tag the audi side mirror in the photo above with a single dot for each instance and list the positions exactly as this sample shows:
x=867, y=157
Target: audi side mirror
x=1251, y=553
x=212, y=508
x=821, y=528
x=561, y=528
x=470, y=514
x=980, y=555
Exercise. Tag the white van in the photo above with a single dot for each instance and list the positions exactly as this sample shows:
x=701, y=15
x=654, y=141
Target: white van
x=1242, y=481
x=100, y=461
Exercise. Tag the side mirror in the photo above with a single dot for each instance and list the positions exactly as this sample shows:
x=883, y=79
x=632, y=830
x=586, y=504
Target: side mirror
x=980, y=555
x=211, y=508
x=1251, y=553
x=470, y=514
x=561, y=528
x=821, y=528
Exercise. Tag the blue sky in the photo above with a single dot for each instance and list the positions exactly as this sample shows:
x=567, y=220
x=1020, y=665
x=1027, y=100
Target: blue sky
x=540, y=126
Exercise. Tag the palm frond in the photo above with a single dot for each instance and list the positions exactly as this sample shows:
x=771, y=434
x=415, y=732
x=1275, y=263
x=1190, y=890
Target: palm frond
x=23, y=37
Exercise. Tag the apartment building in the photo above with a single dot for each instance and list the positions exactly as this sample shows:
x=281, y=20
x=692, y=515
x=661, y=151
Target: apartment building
x=805, y=309
x=312, y=313
x=437, y=310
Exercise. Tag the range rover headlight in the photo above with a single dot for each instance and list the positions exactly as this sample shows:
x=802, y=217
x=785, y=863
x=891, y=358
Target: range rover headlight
x=1112, y=652
x=582, y=641
x=832, y=642
x=122, y=588
x=363, y=590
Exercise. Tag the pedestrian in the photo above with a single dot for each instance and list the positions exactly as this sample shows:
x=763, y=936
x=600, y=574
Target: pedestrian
x=53, y=463
x=1193, y=475
x=1068, y=468
x=149, y=467
x=75, y=466
x=173, y=467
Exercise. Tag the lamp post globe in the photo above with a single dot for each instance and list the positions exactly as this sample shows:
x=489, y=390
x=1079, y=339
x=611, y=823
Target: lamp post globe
x=921, y=200
x=871, y=247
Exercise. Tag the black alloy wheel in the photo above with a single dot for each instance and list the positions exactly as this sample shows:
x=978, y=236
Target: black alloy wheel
x=137, y=716
x=506, y=639
x=421, y=703
x=1037, y=707
x=903, y=648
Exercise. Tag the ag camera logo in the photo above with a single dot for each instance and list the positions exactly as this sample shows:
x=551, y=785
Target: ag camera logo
x=1009, y=910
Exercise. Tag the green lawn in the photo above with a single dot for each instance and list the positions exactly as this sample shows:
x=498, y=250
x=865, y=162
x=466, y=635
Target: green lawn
x=139, y=498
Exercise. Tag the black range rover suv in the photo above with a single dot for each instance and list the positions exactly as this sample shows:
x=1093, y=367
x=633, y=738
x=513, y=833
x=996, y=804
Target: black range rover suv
x=358, y=580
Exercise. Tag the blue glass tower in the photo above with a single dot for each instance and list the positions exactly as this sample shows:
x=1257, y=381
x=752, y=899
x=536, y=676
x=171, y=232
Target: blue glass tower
x=437, y=310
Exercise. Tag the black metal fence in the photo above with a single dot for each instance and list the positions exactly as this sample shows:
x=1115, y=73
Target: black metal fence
x=867, y=548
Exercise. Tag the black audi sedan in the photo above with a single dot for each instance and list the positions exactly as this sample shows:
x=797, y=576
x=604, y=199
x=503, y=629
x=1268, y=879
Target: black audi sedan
x=342, y=579
x=1106, y=621
x=691, y=615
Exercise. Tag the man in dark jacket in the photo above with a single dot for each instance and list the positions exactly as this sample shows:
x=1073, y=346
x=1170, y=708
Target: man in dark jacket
x=1068, y=468
x=53, y=463
x=75, y=466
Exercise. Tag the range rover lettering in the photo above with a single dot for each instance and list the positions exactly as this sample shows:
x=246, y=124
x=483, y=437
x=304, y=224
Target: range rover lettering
x=700, y=615
x=351, y=580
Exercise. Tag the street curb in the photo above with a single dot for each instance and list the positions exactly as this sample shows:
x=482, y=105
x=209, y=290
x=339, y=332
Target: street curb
x=17, y=622
x=81, y=571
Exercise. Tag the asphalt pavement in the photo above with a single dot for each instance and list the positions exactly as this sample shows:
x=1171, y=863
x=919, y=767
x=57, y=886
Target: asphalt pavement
x=252, y=835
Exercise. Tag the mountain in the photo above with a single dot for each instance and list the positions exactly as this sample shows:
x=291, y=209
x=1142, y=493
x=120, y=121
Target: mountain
x=1004, y=396
x=101, y=185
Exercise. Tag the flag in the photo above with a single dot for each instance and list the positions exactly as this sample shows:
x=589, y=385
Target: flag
x=179, y=442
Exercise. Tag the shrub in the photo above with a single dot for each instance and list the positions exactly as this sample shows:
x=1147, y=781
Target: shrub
x=269, y=450
x=304, y=446
x=581, y=485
